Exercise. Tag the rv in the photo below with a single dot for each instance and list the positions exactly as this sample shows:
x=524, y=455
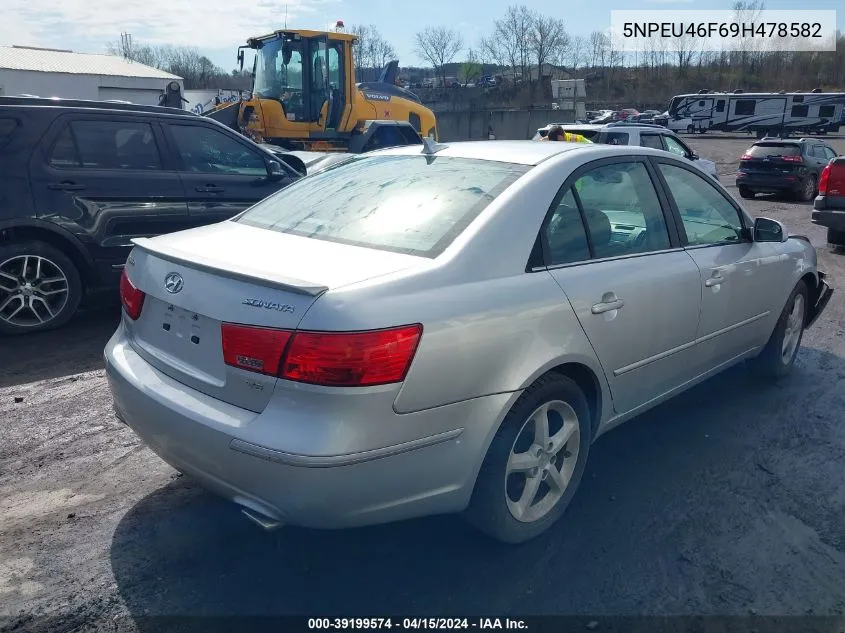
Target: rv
x=764, y=113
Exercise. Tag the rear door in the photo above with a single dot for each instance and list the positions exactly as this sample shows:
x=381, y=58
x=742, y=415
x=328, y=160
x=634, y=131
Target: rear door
x=739, y=277
x=634, y=290
x=221, y=174
x=108, y=180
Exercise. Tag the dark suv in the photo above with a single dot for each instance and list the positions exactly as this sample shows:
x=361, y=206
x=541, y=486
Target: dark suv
x=783, y=166
x=80, y=179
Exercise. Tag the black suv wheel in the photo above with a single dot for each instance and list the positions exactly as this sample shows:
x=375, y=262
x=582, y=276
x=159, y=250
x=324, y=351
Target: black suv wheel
x=40, y=288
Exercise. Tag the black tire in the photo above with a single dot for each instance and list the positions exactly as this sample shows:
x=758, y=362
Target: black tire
x=771, y=364
x=835, y=238
x=746, y=193
x=690, y=129
x=10, y=256
x=807, y=192
x=488, y=509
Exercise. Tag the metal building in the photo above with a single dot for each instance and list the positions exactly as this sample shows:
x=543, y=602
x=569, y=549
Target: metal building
x=56, y=73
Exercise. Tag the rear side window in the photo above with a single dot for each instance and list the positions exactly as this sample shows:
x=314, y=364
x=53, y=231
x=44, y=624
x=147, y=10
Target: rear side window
x=405, y=204
x=611, y=138
x=119, y=145
x=800, y=111
x=720, y=105
x=651, y=140
x=827, y=111
x=7, y=126
x=771, y=150
x=565, y=234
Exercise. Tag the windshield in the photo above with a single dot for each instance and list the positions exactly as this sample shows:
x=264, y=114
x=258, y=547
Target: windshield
x=406, y=204
x=278, y=69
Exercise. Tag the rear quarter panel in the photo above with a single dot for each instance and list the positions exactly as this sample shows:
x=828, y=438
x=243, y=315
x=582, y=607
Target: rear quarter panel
x=489, y=326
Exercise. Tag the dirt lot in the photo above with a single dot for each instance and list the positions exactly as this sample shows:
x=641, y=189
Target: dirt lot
x=728, y=500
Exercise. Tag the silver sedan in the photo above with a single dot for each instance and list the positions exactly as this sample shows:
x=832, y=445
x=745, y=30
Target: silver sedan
x=447, y=328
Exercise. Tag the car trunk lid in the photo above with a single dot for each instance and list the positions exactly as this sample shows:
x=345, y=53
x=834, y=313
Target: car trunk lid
x=196, y=281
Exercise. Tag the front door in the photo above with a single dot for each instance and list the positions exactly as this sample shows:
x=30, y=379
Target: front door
x=636, y=293
x=319, y=81
x=107, y=181
x=221, y=174
x=738, y=276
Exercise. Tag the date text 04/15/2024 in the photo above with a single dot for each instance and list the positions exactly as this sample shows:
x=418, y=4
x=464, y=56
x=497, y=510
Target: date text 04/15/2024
x=416, y=624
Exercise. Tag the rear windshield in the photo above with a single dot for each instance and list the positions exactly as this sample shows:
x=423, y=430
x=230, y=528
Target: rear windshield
x=774, y=149
x=611, y=138
x=406, y=204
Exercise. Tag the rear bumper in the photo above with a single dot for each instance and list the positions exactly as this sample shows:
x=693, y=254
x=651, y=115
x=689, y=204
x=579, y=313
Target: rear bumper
x=829, y=212
x=821, y=299
x=221, y=447
x=768, y=184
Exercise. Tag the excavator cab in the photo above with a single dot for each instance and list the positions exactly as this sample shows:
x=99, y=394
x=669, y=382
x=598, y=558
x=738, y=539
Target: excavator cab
x=301, y=83
x=305, y=97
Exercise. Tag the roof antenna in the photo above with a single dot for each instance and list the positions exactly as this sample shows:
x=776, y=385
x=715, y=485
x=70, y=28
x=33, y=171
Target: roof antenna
x=430, y=146
x=286, y=17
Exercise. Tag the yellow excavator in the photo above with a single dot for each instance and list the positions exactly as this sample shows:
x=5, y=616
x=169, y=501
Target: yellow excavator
x=305, y=97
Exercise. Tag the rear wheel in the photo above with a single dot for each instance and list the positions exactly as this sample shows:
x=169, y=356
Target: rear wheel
x=690, y=129
x=40, y=288
x=534, y=463
x=777, y=358
x=808, y=189
x=746, y=193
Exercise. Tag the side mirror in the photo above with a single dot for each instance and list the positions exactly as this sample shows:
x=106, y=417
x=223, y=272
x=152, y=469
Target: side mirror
x=767, y=230
x=241, y=58
x=693, y=156
x=275, y=170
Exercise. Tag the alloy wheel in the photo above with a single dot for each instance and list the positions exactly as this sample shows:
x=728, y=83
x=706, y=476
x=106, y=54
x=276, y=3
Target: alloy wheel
x=542, y=461
x=33, y=290
x=794, y=326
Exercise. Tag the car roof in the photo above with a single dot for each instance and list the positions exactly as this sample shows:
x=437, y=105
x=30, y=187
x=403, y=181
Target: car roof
x=519, y=152
x=580, y=126
x=82, y=104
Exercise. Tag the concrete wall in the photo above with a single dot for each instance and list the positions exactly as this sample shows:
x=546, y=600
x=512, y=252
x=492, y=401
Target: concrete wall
x=140, y=90
x=506, y=124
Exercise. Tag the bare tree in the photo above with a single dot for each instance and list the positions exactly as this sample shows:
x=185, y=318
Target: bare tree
x=599, y=48
x=439, y=45
x=547, y=40
x=471, y=69
x=372, y=51
x=577, y=51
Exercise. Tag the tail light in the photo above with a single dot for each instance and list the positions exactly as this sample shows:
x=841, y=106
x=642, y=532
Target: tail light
x=254, y=348
x=131, y=298
x=333, y=359
x=824, y=178
x=746, y=157
x=792, y=159
x=836, y=186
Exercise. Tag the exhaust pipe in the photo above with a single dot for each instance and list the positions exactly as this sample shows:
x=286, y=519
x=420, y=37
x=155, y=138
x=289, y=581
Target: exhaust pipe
x=261, y=520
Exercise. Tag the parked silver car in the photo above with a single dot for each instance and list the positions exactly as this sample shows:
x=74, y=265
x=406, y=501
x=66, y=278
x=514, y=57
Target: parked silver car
x=449, y=330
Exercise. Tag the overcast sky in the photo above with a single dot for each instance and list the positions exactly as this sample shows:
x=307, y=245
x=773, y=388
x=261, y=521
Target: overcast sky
x=217, y=27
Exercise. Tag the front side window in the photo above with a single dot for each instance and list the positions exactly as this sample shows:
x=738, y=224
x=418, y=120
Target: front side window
x=120, y=145
x=406, y=204
x=720, y=105
x=279, y=75
x=800, y=111
x=676, y=147
x=707, y=216
x=622, y=210
x=207, y=151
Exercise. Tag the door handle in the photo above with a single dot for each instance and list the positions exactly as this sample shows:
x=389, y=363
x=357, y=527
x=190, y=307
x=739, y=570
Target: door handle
x=715, y=280
x=65, y=186
x=607, y=305
x=211, y=189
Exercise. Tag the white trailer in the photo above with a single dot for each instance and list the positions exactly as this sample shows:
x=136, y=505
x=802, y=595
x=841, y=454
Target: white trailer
x=764, y=113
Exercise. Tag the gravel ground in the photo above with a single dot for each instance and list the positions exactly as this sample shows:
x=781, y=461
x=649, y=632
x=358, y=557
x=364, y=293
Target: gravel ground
x=729, y=500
